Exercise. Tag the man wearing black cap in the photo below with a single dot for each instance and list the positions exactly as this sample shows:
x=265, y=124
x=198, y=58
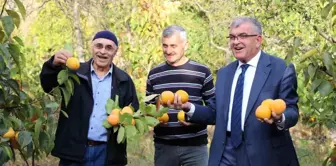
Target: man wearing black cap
x=80, y=138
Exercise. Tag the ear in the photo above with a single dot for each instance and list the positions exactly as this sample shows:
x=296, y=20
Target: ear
x=186, y=45
x=259, y=41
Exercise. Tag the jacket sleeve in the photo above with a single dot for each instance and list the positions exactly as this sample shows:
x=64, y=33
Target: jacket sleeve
x=288, y=92
x=48, y=75
x=205, y=114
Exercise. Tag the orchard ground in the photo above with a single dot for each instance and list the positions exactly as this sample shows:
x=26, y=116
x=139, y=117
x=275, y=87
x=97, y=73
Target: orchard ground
x=312, y=146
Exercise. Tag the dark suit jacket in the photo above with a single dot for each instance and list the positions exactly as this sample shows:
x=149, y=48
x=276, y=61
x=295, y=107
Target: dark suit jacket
x=266, y=145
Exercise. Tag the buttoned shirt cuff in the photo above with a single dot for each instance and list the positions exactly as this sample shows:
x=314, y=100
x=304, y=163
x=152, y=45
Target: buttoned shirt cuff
x=281, y=124
x=191, y=112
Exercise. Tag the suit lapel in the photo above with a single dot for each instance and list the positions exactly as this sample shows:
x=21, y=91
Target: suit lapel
x=260, y=77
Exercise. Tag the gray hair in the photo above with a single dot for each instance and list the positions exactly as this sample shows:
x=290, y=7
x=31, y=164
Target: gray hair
x=241, y=20
x=171, y=30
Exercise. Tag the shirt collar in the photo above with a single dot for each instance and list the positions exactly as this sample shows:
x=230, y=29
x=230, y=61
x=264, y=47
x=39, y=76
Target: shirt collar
x=253, y=62
x=109, y=72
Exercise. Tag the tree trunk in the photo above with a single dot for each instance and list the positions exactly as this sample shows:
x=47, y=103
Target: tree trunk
x=78, y=31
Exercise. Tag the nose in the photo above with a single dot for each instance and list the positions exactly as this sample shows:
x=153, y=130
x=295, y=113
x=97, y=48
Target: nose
x=235, y=40
x=103, y=50
x=167, y=50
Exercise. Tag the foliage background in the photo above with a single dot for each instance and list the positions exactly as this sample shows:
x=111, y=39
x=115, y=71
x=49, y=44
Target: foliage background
x=300, y=31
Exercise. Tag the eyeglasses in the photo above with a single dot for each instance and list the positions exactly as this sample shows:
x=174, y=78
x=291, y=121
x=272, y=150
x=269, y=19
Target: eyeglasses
x=101, y=46
x=240, y=36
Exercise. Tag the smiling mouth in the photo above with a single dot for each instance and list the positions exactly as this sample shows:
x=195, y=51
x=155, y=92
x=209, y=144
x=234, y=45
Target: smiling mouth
x=238, y=48
x=101, y=57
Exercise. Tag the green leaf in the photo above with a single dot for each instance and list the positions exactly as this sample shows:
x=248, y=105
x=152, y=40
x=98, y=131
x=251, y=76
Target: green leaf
x=163, y=110
x=109, y=106
x=52, y=105
x=13, y=84
x=2, y=35
x=9, y=152
x=5, y=51
x=68, y=47
x=66, y=96
x=115, y=129
x=18, y=40
x=150, y=109
x=311, y=70
x=106, y=124
x=2, y=98
x=2, y=64
x=130, y=131
x=8, y=24
x=22, y=9
x=325, y=161
x=308, y=54
x=37, y=131
x=62, y=77
x=116, y=102
x=137, y=114
x=65, y=114
x=15, y=16
x=155, y=114
x=151, y=121
x=297, y=42
x=3, y=129
x=44, y=141
x=140, y=126
x=316, y=83
x=125, y=119
x=150, y=97
x=24, y=139
x=15, y=52
x=121, y=134
x=326, y=10
x=325, y=88
x=328, y=61
x=69, y=86
x=75, y=77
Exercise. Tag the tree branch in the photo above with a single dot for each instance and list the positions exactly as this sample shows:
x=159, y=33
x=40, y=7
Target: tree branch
x=3, y=8
x=211, y=30
x=324, y=35
x=201, y=7
x=39, y=7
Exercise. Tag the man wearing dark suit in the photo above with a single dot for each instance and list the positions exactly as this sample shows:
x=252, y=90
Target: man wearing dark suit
x=239, y=137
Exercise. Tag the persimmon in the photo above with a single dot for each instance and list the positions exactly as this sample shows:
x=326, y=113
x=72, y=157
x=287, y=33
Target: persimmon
x=113, y=119
x=10, y=133
x=72, y=63
x=267, y=102
x=263, y=112
x=164, y=118
x=127, y=110
x=278, y=106
x=181, y=116
x=184, y=95
x=166, y=96
x=115, y=111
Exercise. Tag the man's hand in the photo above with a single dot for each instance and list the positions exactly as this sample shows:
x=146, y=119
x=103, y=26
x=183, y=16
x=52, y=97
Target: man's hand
x=274, y=118
x=61, y=57
x=177, y=104
x=184, y=123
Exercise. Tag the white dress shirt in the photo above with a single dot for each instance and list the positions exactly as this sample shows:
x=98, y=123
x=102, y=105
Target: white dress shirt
x=249, y=76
